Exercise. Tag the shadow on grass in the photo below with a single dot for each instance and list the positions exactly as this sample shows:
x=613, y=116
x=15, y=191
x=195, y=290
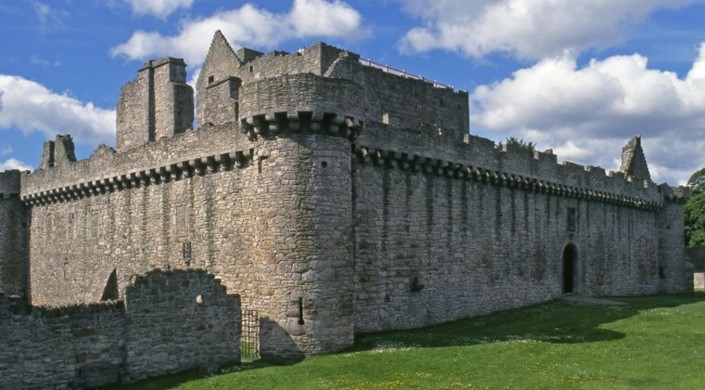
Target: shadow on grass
x=557, y=321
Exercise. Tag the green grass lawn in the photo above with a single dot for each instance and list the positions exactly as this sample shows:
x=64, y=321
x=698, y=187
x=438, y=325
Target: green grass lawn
x=651, y=342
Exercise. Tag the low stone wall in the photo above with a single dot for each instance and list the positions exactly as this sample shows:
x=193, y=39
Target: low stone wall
x=174, y=321
x=179, y=320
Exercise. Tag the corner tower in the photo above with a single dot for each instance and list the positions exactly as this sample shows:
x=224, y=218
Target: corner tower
x=13, y=236
x=157, y=103
x=301, y=126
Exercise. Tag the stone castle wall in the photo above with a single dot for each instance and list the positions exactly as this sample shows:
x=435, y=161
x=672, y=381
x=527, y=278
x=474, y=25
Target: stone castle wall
x=431, y=248
x=338, y=197
x=170, y=321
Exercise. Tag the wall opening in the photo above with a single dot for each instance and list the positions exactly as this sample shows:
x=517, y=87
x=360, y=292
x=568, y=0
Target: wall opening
x=572, y=219
x=110, y=291
x=570, y=259
x=249, y=340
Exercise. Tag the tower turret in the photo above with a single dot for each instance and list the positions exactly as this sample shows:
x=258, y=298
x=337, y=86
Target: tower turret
x=157, y=103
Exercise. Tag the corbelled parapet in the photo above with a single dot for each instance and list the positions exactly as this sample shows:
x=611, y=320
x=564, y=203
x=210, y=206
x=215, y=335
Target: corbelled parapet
x=534, y=172
x=301, y=103
x=279, y=123
x=160, y=173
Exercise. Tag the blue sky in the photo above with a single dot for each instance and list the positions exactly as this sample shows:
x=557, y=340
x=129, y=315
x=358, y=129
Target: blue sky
x=579, y=77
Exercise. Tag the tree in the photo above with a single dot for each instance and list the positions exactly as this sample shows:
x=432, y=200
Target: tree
x=695, y=210
x=518, y=143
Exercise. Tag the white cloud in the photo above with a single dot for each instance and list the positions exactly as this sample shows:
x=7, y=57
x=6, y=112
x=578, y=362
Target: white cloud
x=247, y=25
x=524, y=28
x=14, y=164
x=44, y=63
x=158, y=8
x=46, y=14
x=43, y=11
x=587, y=114
x=31, y=107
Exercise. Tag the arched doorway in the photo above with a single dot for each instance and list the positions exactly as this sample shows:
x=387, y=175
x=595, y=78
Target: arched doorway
x=570, y=259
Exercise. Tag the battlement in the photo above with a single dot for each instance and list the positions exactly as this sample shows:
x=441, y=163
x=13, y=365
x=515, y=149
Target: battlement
x=535, y=172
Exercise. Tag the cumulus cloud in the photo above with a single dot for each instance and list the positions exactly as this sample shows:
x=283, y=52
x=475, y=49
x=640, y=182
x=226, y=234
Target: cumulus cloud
x=158, y=8
x=31, y=107
x=247, y=25
x=524, y=28
x=14, y=164
x=587, y=113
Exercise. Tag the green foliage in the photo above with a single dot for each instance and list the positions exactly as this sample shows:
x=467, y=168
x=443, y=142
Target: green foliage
x=695, y=211
x=650, y=342
x=517, y=143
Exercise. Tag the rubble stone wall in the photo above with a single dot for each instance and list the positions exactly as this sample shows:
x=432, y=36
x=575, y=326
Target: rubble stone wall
x=172, y=321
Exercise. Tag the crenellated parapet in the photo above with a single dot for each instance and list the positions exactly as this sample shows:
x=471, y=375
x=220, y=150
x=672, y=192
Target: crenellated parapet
x=162, y=173
x=585, y=183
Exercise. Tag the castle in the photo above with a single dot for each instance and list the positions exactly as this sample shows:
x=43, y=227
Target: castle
x=335, y=196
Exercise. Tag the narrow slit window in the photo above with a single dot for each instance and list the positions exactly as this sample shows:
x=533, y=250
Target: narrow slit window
x=572, y=219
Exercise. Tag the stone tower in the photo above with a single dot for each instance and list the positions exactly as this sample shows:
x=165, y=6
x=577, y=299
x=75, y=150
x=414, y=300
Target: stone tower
x=13, y=235
x=304, y=184
x=157, y=103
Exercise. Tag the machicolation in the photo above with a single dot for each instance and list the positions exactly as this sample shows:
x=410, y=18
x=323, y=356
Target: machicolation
x=332, y=195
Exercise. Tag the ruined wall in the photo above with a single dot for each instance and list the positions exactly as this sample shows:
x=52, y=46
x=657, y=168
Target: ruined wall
x=179, y=320
x=13, y=235
x=164, y=329
x=80, y=346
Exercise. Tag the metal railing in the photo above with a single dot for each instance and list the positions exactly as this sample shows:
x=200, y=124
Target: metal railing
x=402, y=73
